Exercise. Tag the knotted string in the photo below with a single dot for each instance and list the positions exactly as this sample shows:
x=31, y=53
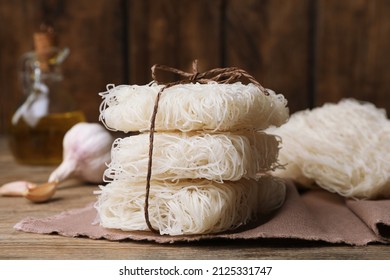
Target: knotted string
x=220, y=75
x=227, y=75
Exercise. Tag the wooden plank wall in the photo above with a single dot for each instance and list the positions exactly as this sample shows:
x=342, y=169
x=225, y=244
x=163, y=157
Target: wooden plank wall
x=312, y=51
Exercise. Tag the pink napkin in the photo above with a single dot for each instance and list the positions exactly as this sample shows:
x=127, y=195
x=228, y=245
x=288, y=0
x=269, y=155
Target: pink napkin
x=314, y=215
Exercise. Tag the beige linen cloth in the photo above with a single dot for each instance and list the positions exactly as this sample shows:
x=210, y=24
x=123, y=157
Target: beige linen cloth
x=314, y=215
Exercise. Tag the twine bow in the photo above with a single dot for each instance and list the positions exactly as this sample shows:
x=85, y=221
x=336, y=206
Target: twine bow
x=220, y=75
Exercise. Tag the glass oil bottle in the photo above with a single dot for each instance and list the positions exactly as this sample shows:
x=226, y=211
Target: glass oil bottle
x=38, y=126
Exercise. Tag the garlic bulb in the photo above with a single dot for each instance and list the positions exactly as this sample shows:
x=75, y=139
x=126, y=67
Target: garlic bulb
x=86, y=152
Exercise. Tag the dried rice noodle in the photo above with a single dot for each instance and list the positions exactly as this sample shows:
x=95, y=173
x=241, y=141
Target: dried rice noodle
x=344, y=148
x=192, y=107
x=188, y=207
x=216, y=157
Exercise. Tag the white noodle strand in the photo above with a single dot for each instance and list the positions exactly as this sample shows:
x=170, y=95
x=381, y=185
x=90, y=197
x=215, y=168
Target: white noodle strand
x=189, y=207
x=344, y=148
x=192, y=107
x=216, y=157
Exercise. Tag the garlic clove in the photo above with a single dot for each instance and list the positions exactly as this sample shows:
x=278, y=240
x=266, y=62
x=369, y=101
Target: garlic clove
x=17, y=188
x=42, y=192
x=31, y=191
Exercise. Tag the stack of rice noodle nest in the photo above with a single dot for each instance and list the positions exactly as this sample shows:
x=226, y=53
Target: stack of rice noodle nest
x=211, y=157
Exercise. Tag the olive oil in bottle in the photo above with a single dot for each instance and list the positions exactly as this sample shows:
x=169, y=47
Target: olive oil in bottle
x=38, y=126
x=42, y=144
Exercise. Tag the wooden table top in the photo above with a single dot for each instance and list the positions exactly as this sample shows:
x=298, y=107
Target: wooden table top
x=20, y=245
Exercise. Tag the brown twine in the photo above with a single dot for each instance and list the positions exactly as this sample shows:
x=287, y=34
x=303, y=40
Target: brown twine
x=220, y=75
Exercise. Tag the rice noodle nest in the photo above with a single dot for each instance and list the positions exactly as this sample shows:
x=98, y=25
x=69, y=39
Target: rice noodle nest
x=189, y=206
x=192, y=107
x=216, y=157
x=343, y=148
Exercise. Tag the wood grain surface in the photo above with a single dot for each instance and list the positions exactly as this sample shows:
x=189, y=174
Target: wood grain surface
x=173, y=33
x=20, y=245
x=270, y=40
x=353, y=45
x=312, y=51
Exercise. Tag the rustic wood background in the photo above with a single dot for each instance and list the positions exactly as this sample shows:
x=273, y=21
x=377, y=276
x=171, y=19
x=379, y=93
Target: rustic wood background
x=312, y=51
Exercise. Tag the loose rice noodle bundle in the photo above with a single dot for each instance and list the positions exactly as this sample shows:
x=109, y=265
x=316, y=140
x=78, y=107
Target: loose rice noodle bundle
x=192, y=107
x=344, y=148
x=189, y=207
x=216, y=157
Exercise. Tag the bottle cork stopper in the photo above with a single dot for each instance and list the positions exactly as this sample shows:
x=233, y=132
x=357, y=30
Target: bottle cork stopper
x=44, y=41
